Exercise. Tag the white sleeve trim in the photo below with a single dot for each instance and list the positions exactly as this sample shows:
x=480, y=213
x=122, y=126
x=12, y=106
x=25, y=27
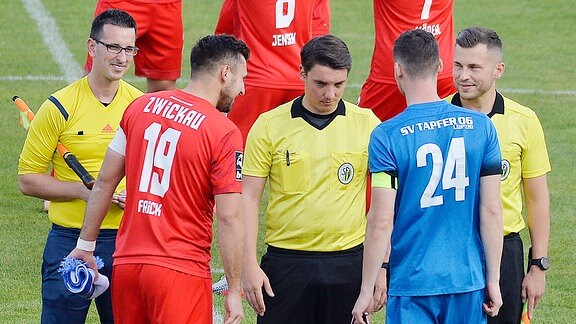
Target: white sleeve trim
x=118, y=143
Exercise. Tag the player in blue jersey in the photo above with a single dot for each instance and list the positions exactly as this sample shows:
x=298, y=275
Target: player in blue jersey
x=436, y=178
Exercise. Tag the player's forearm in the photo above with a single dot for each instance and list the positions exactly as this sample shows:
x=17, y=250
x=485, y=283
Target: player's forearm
x=492, y=235
x=231, y=244
x=47, y=187
x=492, y=240
x=378, y=232
x=491, y=231
x=98, y=205
x=538, y=214
x=376, y=247
x=96, y=209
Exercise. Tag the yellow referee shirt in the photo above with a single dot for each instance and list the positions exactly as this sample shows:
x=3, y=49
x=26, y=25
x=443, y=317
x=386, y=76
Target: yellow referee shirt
x=317, y=177
x=87, y=132
x=524, y=154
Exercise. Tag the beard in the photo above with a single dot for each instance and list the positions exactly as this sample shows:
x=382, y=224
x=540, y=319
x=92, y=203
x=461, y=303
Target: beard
x=224, y=103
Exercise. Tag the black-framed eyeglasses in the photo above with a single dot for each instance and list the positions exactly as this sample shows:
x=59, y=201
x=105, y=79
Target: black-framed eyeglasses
x=117, y=49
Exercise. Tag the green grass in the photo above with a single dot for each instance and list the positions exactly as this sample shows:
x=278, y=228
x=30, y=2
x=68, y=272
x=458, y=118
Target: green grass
x=539, y=47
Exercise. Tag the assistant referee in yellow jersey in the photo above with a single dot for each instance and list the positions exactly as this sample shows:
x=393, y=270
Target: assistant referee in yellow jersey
x=477, y=65
x=84, y=117
x=313, y=152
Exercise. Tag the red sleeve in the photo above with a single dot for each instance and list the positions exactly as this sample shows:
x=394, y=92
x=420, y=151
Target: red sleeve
x=226, y=173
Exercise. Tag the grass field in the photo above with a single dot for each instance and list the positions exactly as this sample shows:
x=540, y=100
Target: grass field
x=539, y=52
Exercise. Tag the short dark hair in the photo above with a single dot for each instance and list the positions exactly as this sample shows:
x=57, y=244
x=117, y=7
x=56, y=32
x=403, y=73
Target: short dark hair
x=417, y=51
x=327, y=50
x=212, y=50
x=114, y=17
x=472, y=36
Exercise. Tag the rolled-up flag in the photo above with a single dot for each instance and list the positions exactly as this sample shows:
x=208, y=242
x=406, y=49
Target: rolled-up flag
x=79, y=278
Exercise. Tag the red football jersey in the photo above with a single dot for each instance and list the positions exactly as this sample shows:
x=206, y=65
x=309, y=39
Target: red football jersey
x=393, y=17
x=321, y=18
x=180, y=152
x=275, y=31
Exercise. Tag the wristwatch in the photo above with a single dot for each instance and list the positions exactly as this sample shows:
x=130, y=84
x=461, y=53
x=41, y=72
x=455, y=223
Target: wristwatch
x=543, y=263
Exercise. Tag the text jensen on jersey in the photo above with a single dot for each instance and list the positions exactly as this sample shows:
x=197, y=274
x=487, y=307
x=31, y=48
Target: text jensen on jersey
x=284, y=39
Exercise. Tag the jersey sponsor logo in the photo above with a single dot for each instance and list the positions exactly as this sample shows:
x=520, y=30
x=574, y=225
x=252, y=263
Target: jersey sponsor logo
x=149, y=207
x=239, y=161
x=505, y=169
x=454, y=122
x=284, y=39
x=179, y=111
x=346, y=173
x=432, y=29
x=108, y=129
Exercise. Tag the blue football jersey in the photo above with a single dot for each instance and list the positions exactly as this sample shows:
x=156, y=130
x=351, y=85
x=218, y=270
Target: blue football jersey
x=438, y=152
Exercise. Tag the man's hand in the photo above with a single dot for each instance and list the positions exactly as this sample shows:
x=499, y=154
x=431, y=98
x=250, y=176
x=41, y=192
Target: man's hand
x=380, y=290
x=234, y=311
x=494, y=299
x=119, y=199
x=533, y=287
x=362, y=309
x=85, y=256
x=253, y=281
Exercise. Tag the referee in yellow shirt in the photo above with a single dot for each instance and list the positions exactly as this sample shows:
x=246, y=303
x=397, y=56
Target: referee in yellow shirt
x=477, y=65
x=84, y=117
x=313, y=152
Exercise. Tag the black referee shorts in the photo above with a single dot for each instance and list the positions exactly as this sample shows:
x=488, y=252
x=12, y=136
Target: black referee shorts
x=311, y=287
x=511, y=276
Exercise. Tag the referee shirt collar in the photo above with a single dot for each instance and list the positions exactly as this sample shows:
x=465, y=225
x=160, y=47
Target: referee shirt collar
x=497, y=108
x=297, y=109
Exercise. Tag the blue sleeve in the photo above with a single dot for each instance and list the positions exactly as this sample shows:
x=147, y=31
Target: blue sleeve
x=492, y=163
x=380, y=156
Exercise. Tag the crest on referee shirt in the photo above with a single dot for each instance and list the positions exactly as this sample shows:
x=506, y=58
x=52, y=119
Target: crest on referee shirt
x=346, y=173
x=505, y=170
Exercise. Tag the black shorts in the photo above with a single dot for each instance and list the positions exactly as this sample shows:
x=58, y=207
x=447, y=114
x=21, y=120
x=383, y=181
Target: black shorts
x=311, y=287
x=511, y=276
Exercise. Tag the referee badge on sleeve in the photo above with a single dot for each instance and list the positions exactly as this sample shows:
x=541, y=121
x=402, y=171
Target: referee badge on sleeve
x=239, y=161
x=505, y=170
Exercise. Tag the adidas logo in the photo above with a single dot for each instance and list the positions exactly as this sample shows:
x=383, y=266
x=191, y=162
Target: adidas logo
x=108, y=129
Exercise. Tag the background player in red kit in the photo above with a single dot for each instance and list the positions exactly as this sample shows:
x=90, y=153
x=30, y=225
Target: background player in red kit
x=180, y=155
x=275, y=31
x=321, y=18
x=391, y=18
x=160, y=39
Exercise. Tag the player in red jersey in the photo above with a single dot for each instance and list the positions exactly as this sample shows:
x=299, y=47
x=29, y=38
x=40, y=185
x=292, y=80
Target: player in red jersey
x=160, y=39
x=181, y=156
x=391, y=18
x=275, y=31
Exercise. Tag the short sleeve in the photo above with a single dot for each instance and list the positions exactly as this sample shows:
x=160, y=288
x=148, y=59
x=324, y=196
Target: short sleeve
x=226, y=174
x=258, y=159
x=492, y=161
x=41, y=140
x=380, y=157
x=118, y=143
x=535, y=161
